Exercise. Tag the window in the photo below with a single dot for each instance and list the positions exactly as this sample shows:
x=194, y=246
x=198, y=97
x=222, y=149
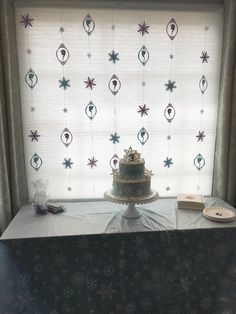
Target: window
x=168, y=61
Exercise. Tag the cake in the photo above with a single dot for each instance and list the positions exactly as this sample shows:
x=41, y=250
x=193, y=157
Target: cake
x=131, y=179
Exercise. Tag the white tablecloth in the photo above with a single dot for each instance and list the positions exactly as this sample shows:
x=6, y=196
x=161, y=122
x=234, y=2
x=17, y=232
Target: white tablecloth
x=105, y=217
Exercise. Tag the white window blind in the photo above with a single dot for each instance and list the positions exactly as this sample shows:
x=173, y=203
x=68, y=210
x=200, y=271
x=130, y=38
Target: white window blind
x=54, y=96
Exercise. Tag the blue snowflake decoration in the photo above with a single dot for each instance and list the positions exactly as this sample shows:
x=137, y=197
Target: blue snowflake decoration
x=64, y=83
x=36, y=162
x=168, y=162
x=67, y=163
x=31, y=78
x=170, y=85
x=199, y=161
x=114, y=138
x=113, y=56
x=143, y=136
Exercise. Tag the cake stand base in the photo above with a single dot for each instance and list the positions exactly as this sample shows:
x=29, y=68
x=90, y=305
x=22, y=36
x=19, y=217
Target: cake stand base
x=131, y=212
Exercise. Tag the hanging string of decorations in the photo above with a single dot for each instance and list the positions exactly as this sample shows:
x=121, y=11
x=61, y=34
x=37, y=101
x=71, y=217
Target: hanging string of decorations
x=143, y=57
x=199, y=161
x=114, y=86
x=31, y=79
x=90, y=83
x=66, y=137
x=170, y=86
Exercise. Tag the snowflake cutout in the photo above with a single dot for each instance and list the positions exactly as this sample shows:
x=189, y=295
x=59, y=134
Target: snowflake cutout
x=89, y=55
x=32, y=109
x=28, y=51
x=202, y=111
x=34, y=136
x=171, y=56
x=143, y=28
x=64, y=83
x=113, y=56
x=61, y=29
x=69, y=188
x=64, y=110
x=143, y=110
x=200, y=136
x=26, y=20
x=90, y=83
x=170, y=85
x=168, y=137
x=115, y=138
x=67, y=163
x=206, y=28
x=204, y=57
x=143, y=83
x=168, y=162
x=113, y=27
x=92, y=162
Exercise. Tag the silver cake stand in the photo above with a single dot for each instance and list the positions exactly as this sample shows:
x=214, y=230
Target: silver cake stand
x=131, y=211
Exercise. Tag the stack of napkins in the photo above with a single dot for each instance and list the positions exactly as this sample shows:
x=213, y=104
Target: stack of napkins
x=190, y=201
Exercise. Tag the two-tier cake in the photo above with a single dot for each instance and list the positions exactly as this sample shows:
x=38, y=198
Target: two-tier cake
x=132, y=179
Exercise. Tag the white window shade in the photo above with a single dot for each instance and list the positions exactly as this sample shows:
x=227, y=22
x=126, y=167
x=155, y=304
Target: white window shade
x=92, y=138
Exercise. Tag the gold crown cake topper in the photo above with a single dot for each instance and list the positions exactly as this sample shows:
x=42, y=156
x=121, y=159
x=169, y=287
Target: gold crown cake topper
x=131, y=155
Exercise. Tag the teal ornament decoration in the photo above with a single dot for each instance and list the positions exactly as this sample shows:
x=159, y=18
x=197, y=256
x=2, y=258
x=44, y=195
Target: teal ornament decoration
x=115, y=138
x=36, y=162
x=143, y=136
x=62, y=54
x=114, y=84
x=91, y=110
x=67, y=163
x=169, y=112
x=113, y=56
x=143, y=55
x=199, y=161
x=88, y=24
x=114, y=161
x=172, y=29
x=66, y=137
x=168, y=162
x=31, y=78
x=203, y=84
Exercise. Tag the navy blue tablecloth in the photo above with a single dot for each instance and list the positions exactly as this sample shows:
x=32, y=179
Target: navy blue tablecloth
x=169, y=272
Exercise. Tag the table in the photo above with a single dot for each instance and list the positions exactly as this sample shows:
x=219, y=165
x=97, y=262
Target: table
x=105, y=217
x=174, y=263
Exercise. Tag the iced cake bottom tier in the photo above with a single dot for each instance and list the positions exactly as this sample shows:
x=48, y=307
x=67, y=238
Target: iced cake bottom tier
x=131, y=188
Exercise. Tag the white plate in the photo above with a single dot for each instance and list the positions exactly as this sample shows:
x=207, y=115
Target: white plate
x=219, y=214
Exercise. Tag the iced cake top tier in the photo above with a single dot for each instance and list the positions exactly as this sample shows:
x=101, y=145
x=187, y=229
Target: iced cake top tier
x=132, y=157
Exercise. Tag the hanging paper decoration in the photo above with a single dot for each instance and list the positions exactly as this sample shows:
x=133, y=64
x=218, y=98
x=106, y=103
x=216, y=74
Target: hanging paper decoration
x=169, y=112
x=62, y=54
x=114, y=84
x=26, y=20
x=172, y=29
x=34, y=135
x=143, y=28
x=168, y=162
x=113, y=56
x=200, y=136
x=67, y=163
x=31, y=78
x=66, y=137
x=203, y=84
x=199, y=161
x=91, y=110
x=90, y=82
x=92, y=162
x=204, y=57
x=143, y=110
x=143, y=55
x=64, y=83
x=88, y=24
x=170, y=86
x=115, y=138
x=36, y=162
x=114, y=162
x=143, y=136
